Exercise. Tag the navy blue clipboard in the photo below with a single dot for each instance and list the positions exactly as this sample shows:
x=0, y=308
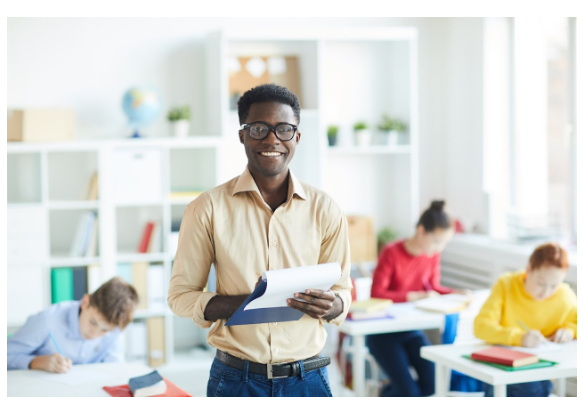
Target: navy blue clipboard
x=262, y=315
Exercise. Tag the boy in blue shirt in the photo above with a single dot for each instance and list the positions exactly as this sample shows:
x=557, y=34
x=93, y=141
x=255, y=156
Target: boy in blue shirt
x=85, y=331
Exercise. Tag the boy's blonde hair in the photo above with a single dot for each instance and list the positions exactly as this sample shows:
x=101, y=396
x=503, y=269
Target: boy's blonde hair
x=116, y=300
x=549, y=254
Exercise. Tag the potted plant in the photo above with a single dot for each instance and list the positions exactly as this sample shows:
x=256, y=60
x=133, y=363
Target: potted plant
x=332, y=134
x=179, y=117
x=384, y=236
x=361, y=134
x=390, y=128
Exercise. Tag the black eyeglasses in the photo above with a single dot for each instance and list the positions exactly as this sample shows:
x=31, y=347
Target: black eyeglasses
x=259, y=130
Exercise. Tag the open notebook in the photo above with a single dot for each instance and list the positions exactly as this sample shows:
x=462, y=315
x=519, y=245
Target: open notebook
x=447, y=304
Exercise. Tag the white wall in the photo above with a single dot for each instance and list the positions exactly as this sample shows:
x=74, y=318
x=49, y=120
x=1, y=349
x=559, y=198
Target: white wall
x=88, y=63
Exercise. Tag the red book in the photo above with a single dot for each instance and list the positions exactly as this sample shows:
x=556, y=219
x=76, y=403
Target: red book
x=123, y=391
x=146, y=235
x=504, y=356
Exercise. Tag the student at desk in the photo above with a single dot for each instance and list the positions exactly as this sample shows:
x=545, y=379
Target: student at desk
x=527, y=308
x=75, y=332
x=408, y=270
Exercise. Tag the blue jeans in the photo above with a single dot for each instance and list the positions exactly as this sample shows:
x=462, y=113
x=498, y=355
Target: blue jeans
x=395, y=352
x=539, y=389
x=227, y=381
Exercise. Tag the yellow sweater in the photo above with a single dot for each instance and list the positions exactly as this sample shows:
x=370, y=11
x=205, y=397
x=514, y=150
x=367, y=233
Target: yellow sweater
x=496, y=323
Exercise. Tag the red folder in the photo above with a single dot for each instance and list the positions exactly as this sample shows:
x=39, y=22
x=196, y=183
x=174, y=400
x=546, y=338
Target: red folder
x=504, y=356
x=144, y=243
x=123, y=391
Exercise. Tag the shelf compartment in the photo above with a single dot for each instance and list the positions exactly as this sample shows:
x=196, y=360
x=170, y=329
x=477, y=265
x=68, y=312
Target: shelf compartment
x=71, y=176
x=131, y=223
x=24, y=178
x=74, y=234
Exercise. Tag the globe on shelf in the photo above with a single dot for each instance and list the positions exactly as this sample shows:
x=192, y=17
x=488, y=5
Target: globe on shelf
x=142, y=106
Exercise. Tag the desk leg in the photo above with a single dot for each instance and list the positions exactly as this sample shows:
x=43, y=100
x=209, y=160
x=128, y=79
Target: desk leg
x=358, y=365
x=561, y=386
x=441, y=380
x=499, y=391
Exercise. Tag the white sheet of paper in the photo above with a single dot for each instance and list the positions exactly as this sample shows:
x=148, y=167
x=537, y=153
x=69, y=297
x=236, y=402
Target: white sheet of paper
x=282, y=284
x=544, y=347
x=75, y=376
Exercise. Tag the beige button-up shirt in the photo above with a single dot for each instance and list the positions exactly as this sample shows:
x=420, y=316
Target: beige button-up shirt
x=232, y=227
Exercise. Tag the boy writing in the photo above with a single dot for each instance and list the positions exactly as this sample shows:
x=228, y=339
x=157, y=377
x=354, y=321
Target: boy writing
x=75, y=332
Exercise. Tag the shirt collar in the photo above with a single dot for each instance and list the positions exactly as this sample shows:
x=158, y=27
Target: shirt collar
x=73, y=321
x=246, y=183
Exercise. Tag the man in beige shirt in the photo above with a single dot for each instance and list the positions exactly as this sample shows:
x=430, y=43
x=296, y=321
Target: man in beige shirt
x=265, y=219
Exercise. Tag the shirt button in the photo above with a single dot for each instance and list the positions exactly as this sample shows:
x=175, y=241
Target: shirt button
x=276, y=349
x=274, y=268
x=274, y=244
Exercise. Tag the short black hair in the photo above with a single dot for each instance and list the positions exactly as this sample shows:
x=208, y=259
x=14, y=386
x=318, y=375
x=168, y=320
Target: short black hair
x=267, y=93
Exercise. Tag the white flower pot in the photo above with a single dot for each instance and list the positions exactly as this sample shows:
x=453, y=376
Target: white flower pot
x=393, y=138
x=362, y=137
x=180, y=128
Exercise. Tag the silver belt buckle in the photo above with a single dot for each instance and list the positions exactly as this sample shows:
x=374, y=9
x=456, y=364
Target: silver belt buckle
x=270, y=371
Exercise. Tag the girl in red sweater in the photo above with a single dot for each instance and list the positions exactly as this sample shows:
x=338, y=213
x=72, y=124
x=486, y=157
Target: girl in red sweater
x=408, y=270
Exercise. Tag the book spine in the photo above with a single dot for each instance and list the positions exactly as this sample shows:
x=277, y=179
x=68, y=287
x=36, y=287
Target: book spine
x=61, y=284
x=140, y=283
x=156, y=341
x=501, y=361
x=144, y=243
x=79, y=282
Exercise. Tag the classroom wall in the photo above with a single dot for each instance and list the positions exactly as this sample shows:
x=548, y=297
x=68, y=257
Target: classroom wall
x=88, y=63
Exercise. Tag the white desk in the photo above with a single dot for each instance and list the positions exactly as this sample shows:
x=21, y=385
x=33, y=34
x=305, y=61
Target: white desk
x=448, y=357
x=407, y=318
x=32, y=383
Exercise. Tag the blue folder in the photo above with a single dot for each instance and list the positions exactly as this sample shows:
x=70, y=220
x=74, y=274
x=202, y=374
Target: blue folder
x=262, y=315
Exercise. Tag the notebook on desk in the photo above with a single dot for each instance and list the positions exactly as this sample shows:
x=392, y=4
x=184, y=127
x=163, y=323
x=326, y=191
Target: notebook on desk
x=446, y=304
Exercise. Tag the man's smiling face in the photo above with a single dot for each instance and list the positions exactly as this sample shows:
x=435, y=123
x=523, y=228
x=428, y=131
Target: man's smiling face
x=269, y=156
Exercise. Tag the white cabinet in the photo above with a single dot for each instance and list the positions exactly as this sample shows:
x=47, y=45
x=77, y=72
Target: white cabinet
x=138, y=175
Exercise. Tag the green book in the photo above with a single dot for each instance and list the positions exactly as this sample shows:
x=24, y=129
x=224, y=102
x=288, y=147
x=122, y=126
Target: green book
x=542, y=363
x=61, y=284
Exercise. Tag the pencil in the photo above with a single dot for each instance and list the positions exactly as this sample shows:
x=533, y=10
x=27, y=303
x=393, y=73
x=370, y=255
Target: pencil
x=55, y=343
x=426, y=284
x=524, y=327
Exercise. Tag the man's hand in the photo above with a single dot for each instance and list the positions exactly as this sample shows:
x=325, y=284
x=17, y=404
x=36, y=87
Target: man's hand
x=532, y=339
x=51, y=363
x=318, y=304
x=418, y=295
x=561, y=335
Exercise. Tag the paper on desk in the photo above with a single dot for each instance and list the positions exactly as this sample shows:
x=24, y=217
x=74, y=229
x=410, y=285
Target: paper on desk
x=542, y=348
x=76, y=375
x=282, y=284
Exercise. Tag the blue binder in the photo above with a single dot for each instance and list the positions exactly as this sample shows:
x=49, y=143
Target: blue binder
x=262, y=315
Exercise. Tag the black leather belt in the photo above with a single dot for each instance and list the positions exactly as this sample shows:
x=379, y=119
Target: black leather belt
x=281, y=370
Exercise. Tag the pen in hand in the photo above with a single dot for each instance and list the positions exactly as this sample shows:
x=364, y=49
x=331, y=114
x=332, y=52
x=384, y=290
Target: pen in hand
x=55, y=343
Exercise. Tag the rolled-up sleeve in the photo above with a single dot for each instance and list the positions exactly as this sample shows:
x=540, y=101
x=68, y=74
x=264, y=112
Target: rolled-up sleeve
x=192, y=263
x=335, y=248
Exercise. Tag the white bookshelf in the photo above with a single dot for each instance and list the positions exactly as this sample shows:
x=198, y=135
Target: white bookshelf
x=46, y=184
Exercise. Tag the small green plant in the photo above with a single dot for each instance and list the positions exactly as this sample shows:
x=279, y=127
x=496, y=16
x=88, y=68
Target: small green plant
x=360, y=125
x=391, y=124
x=332, y=130
x=178, y=113
x=385, y=235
